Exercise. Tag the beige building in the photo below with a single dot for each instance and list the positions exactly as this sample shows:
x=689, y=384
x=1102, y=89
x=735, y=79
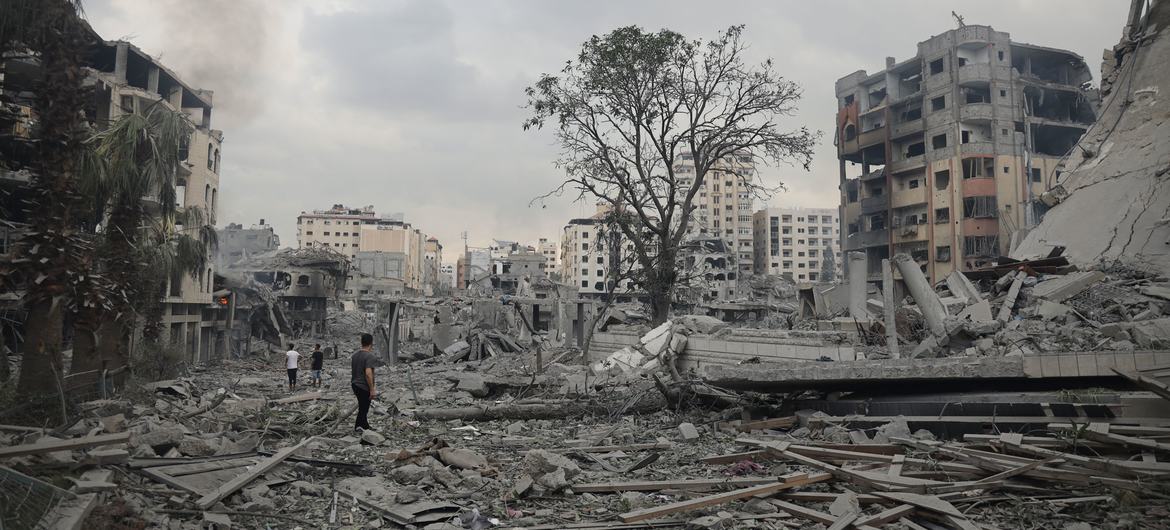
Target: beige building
x=945, y=155
x=793, y=242
x=548, y=249
x=351, y=231
x=127, y=80
x=724, y=204
x=587, y=255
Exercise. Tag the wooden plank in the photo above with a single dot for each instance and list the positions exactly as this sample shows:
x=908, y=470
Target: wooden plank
x=896, y=465
x=892, y=514
x=844, y=521
x=928, y=502
x=1101, y=433
x=266, y=465
x=790, y=481
x=1129, y=430
x=64, y=445
x=170, y=481
x=685, y=484
x=1148, y=383
x=203, y=467
x=771, y=423
x=1160, y=423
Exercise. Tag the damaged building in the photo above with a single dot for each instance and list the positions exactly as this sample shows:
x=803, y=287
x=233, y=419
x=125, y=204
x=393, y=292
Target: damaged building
x=305, y=281
x=944, y=156
x=238, y=243
x=126, y=80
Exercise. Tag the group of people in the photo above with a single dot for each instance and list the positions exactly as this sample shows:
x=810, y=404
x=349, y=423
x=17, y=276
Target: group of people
x=362, y=364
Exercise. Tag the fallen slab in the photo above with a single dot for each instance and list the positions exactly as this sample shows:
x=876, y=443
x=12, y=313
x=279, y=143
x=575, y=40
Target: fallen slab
x=64, y=445
x=263, y=467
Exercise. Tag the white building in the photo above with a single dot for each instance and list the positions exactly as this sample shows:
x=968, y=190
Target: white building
x=447, y=275
x=586, y=258
x=724, y=203
x=792, y=242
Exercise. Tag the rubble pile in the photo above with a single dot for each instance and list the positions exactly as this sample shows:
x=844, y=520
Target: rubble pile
x=1022, y=311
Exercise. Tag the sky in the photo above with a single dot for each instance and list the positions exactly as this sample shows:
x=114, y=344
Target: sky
x=415, y=106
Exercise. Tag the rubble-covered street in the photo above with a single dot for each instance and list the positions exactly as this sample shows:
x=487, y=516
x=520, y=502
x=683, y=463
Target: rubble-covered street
x=970, y=330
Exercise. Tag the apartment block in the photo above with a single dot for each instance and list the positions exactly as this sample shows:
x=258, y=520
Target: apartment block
x=352, y=231
x=548, y=249
x=794, y=242
x=587, y=253
x=943, y=156
x=724, y=204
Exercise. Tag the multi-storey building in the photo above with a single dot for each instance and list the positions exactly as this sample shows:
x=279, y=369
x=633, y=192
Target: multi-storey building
x=794, y=242
x=944, y=155
x=587, y=253
x=351, y=231
x=237, y=243
x=125, y=80
x=338, y=227
x=447, y=275
x=724, y=203
x=548, y=249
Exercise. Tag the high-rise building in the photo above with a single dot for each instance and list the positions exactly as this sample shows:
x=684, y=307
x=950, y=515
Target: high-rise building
x=943, y=156
x=724, y=203
x=793, y=242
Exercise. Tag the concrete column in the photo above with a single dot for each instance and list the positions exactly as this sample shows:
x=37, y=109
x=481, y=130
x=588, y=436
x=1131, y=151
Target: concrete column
x=888, y=309
x=929, y=304
x=121, y=56
x=857, y=288
x=152, y=79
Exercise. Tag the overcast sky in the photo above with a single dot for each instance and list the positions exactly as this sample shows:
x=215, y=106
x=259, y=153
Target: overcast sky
x=415, y=106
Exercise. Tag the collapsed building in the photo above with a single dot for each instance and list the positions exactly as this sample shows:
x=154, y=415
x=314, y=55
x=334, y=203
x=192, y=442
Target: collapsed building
x=305, y=281
x=955, y=146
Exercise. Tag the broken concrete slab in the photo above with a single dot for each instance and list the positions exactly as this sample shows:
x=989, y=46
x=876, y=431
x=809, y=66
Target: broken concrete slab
x=688, y=431
x=1064, y=287
x=960, y=286
x=978, y=312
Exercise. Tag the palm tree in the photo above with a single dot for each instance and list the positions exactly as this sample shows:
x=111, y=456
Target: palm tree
x=52, y=254
x=145, y=241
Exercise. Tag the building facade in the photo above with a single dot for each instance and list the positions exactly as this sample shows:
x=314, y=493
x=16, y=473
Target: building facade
x=352, y=231
x=127, y=80
x=793, y=242
x=237, y=243
x=723, y=204
x=587, y=253
x=943, y=156
x=548, y=249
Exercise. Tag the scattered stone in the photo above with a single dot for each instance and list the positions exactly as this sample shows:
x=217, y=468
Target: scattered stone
x=409, y=473
x=462, y=458
x=688, y=431
x=845, y=503
x=473, y=383
x=217, y=521
x=372, y=438
x=538, y=462
x=894, y=429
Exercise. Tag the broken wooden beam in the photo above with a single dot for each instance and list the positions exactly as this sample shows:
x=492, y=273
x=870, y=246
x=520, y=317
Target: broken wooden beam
x=310, y=396
x=263, y=467
x=1147, y=383
x=64, y=445
x=790, y=481
x=701, y=484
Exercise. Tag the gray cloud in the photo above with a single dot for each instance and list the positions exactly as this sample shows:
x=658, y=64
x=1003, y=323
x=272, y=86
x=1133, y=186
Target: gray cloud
x=415, y=106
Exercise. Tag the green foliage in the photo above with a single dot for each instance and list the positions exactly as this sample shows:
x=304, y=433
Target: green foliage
x=633, y=104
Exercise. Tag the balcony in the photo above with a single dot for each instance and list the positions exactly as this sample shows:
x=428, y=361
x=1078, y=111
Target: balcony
x=904, y=129
x=976, y=112
x=872, y=238
x=874, y=204
x=872, y=137
x=907, y=164
x=972, y=34
x=978, y=148
x=979, y=73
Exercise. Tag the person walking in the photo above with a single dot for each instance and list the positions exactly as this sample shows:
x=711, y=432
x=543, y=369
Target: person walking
x=362, y=380
x=291, y=362
x=317, y=366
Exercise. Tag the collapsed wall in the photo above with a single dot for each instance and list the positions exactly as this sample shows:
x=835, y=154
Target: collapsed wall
x=1113, y=202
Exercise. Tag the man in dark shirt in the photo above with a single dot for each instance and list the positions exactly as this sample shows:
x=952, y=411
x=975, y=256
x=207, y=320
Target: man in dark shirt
x=318, y=365
x=362, y=379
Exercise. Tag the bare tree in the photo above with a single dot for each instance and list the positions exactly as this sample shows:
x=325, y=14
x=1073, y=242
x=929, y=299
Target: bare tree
x=633, y=101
